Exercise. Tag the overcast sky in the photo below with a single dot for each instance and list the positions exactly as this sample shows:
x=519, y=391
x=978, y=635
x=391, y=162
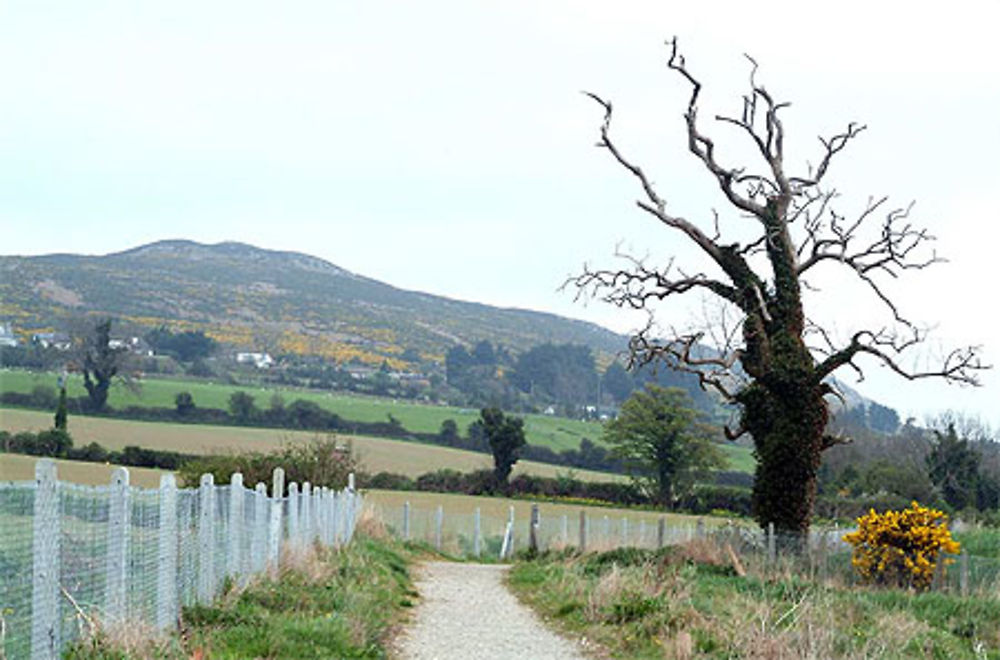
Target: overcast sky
x=444, y=145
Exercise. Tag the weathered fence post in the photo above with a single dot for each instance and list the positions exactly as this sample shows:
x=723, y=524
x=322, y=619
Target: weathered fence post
x=477, y=533
x=206, y=539
x=963, y=572
x=533, y=529
x=119, y=522
x=661, y=533
x=258, y=539
x=624, y=532
x=583, y=530
x=438, y=524
x=166, y=565
x=45, y=642
x=771, y=553
x=236, y=525
x=701, y=528
x=274, y=528
x=406, y=520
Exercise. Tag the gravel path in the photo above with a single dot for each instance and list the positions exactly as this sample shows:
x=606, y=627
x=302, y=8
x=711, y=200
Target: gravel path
x=466, y=613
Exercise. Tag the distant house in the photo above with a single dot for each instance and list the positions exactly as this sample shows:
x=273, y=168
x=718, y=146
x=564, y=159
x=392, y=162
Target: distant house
x=259, y=360
x=7, y=337
x=135, y=345
x=550, y=411
x=57, y=340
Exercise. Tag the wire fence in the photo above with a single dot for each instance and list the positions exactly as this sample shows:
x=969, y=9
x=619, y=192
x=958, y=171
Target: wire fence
x=76, y=558
x=823, y=556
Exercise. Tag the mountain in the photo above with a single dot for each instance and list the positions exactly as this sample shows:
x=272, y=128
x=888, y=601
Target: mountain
x=269, y=300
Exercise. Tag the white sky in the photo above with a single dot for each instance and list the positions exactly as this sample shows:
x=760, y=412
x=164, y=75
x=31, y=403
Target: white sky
x=444, y=146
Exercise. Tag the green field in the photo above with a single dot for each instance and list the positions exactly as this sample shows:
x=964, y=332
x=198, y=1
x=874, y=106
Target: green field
x=375, y=454
x=558, y=433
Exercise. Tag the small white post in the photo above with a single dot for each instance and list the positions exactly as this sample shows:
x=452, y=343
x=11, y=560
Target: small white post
x=236, y=525
x=477, y=533
x=45, y=642
x=166, y=569
x=350, y=482
x=274, y=527
x=321, y=528
x=258, y=541
x=206, y=539
x=338, y=517
x=607, y=529
x=119, y=522
x=438, y=524
x=307, y=519
x=293, y=515
x=406, y=520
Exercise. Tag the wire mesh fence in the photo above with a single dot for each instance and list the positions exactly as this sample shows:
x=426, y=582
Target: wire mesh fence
x=823, y=556
x=74, y=558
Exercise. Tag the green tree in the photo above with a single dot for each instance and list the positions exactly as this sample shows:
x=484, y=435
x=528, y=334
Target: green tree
x=60, y=421
x=100, y=363
x=953, y=467
x=242, y=407
x=779, y=228
x=658, y=437
x=505, y=435
x=184, y=403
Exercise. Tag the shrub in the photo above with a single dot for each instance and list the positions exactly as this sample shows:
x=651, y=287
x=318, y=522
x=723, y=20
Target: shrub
x=901, y=548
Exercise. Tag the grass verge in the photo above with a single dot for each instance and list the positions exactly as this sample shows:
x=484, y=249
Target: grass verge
x=321, y=603
x=688, y=602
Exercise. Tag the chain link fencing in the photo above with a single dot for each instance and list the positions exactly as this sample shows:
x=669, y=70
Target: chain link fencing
x=74, y=559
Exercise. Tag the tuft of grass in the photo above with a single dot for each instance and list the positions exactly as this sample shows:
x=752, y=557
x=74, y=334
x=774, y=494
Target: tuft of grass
x=689, y=602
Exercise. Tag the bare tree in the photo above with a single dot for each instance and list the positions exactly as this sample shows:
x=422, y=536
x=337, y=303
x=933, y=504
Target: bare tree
x=782, y=379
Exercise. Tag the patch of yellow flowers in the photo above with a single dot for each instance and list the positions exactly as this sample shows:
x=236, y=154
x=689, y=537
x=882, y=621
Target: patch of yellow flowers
x=901, y=548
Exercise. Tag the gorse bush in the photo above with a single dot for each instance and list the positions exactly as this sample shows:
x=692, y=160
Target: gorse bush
x=901, y=548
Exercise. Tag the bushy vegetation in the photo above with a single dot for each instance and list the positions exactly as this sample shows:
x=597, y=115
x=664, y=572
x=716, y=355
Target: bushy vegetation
x=902, y=548
x=691, y=601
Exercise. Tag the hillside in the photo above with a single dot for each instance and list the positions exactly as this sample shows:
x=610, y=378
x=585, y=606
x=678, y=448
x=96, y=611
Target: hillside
x=267, y=300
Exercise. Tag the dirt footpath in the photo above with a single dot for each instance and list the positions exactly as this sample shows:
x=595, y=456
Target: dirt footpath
x=466, y=613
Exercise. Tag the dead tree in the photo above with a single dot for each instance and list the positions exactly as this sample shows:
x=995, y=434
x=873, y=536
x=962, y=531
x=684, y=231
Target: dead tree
x=783, y=376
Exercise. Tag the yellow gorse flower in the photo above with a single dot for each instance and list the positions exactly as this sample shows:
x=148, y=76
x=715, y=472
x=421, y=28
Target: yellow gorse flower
x=901, y=548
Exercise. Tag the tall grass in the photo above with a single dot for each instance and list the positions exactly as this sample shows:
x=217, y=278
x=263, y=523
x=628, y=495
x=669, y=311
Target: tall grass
x=692, y=601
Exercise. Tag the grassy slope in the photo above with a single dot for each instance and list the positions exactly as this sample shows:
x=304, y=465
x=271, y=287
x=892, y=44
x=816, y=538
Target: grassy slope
x=685, y=608
x=376, y=454
x=556, y=432
x=339, y=605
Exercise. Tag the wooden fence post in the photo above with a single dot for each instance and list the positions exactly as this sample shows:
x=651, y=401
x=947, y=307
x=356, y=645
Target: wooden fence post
x=274, y=528
x=45, y=638
x=701, y=528
x=533, y=529
x=406, y=520
x=237, y=527
x=166, y=565
x=119, y=523
x=661, y=533
x=963, y=574
x=206, y=539
x=438, y=524
x=771, y=553
x=583, y=530
x=477, y=533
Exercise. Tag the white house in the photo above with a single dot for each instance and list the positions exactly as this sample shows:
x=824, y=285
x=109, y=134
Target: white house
x=259, y=360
